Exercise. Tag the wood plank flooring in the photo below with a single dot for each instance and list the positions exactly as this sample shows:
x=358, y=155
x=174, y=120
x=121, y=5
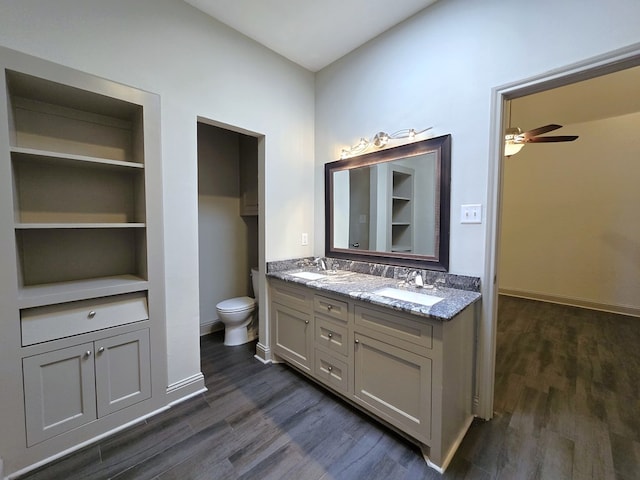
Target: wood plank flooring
x=567, y=407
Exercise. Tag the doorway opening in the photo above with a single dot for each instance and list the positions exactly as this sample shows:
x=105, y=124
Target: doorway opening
x=230, y=224
x=593, y=68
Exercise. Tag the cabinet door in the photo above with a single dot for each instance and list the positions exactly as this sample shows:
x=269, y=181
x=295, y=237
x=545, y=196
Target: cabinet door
x=59, y=391
x=123, y=373
x=394, y=384
x=293, y=335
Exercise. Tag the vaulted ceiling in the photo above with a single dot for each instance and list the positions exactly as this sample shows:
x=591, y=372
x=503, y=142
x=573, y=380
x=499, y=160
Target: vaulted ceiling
x=311, y=33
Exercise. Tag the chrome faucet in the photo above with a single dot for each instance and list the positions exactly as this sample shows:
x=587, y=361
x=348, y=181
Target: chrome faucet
x=416, y=277
x=320, y=263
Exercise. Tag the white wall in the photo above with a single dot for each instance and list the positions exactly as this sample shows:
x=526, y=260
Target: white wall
x=198, y=67
x=570, y=228
x=438, y=69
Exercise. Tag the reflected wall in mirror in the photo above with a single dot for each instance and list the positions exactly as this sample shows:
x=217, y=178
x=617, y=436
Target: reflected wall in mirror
x=391, y=206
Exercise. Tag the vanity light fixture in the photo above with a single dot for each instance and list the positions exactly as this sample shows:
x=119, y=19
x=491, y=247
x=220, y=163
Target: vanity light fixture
x=380, y=140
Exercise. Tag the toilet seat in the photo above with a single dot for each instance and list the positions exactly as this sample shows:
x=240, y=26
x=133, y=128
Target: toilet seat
x=237, y=304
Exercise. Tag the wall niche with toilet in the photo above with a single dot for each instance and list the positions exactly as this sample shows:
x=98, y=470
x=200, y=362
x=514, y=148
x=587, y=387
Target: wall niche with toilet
x=227, y=226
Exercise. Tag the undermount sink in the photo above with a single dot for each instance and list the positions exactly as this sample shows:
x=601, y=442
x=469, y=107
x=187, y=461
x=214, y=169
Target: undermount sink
x=407, y=296
x=308, y=275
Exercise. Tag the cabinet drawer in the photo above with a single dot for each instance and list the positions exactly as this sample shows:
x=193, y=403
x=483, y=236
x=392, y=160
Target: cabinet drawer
x=331, y=371
x=294, y=297
x=331, y=307
x=331, y=335
x=414, y=332
x=41, y=324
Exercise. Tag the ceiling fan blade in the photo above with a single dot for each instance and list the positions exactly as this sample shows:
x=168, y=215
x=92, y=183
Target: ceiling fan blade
x=559, y=138
x=541, y=130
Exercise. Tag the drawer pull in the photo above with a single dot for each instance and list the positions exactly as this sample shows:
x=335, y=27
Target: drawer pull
x=92, y=314
x=330, y=335
x=306, y=322
x=329, y=368
x=101, y=349
x=87, y=353
x=357, y=341
x=329, y=307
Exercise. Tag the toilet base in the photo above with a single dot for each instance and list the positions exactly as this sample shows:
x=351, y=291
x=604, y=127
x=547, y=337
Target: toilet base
x=235, y=336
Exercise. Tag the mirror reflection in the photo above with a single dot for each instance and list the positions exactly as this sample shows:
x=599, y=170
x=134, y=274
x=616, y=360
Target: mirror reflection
x=391, y=206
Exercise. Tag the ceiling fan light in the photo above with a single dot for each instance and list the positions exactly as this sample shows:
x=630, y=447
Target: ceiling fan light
x=511, y=148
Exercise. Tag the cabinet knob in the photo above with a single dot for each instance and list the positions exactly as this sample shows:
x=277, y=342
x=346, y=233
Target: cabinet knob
x=306, y=322
x=87, y=353
x=92, y=314
x=101, y=349
x=330, y=335
x=329, y=368
x=329, y=307
x=357, y=341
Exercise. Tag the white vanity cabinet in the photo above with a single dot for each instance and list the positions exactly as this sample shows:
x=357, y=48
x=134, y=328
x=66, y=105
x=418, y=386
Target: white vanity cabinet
x=292, y=319
x=411, y=372
x=72, y=386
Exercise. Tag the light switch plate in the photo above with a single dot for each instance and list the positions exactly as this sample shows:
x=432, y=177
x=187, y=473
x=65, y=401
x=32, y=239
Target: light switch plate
x=305, y=239
x=471, y=214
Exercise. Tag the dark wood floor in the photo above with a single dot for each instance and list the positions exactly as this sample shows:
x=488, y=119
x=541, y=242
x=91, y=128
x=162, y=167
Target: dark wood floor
x=567, y=407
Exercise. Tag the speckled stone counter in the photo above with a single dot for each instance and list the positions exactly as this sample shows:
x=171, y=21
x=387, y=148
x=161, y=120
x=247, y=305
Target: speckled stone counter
x=358, y=280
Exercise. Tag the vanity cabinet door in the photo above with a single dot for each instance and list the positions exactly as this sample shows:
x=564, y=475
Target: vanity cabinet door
x=59, y=391
x=123, y=371
x=394, y=384
x=293, y=335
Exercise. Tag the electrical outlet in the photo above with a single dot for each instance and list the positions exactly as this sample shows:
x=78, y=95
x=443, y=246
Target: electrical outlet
x=471, y=214
x=305, y=239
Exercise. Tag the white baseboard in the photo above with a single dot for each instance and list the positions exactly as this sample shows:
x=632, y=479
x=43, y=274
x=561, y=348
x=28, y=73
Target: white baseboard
x=572, y=302
x=263, y=353
x=186, y=388
x=209, y=327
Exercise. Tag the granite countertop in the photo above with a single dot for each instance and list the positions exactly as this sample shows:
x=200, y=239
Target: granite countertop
x=361, y=286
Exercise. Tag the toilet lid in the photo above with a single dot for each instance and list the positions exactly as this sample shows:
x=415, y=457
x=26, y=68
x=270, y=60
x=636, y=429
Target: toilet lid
x=236, y=304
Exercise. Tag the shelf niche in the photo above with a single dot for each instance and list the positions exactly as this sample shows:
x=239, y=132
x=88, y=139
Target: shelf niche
x=49, y=116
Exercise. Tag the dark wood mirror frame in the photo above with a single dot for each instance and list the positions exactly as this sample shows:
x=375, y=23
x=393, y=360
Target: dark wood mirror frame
x=441, y=146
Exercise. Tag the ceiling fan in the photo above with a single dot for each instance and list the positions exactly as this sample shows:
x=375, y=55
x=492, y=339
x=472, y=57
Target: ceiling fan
x=515, y=138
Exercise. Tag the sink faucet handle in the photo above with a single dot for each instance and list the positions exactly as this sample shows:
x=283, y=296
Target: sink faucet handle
x=320, y=263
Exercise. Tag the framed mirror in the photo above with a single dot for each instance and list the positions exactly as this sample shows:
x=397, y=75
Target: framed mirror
x=391, y=206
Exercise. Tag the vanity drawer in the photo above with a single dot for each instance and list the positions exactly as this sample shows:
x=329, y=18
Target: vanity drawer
x=417, y=333
x=331, y=307
x=331, y=336
x=331, y=371
x=41, y=324
x=291, y=296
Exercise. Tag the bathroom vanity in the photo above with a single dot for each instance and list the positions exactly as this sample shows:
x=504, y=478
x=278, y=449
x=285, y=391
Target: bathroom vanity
x=405, y=362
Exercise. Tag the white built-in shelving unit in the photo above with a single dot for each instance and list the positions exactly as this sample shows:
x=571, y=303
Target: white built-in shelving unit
x=82, y=334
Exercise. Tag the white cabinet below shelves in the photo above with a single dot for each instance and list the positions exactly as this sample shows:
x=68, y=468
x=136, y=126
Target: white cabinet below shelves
x=67, y=388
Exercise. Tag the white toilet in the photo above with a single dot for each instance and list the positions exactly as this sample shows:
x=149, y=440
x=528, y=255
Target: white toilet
x=236, y=314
